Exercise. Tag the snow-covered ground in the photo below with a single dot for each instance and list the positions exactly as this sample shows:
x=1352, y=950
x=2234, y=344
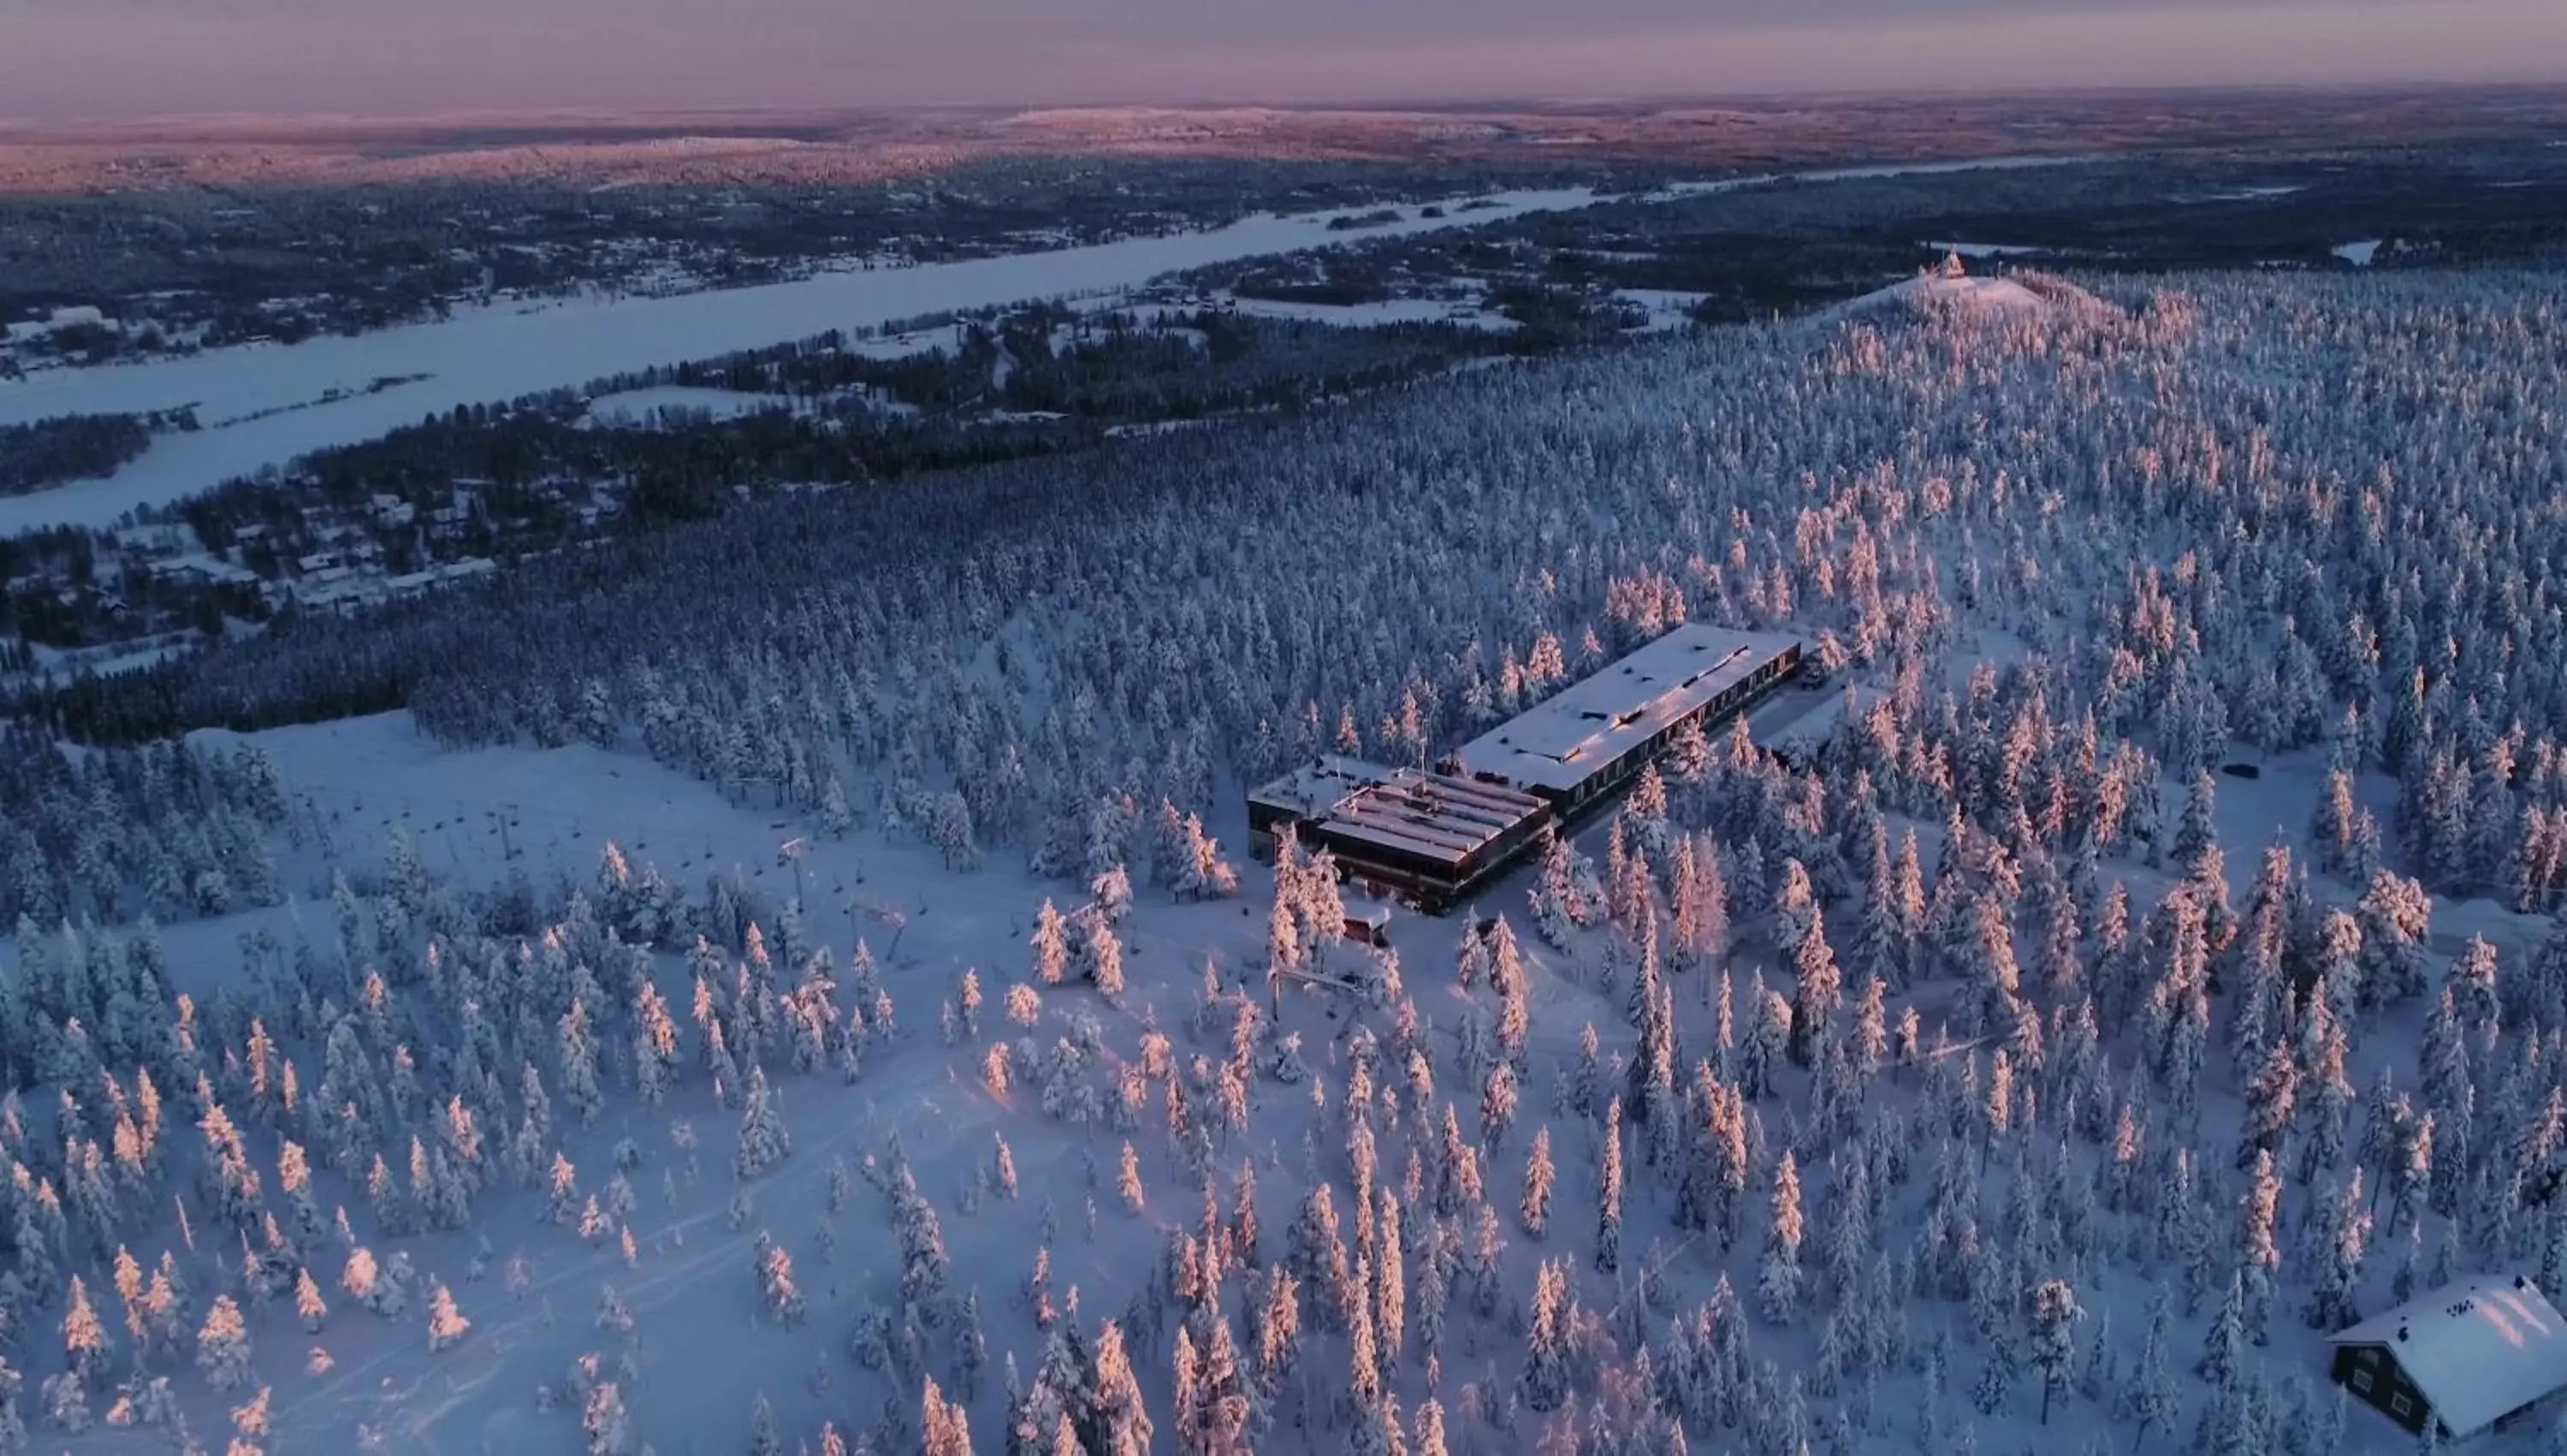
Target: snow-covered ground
x=2359, y=254
x=1364, y=315
x=643, y=406
x=1669, y=308
x=1984, y=249
x=703, y=1349
x=1859, y=1251
x=278, y=396
x=1986, y=297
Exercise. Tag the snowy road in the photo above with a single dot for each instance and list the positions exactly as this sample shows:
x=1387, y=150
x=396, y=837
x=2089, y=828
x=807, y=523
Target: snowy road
x=266, y=404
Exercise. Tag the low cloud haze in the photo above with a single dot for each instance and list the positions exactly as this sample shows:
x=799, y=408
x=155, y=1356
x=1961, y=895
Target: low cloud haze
x=112, y=59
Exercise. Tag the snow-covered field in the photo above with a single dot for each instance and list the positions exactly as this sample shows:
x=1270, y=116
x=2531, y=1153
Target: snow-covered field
x=644, y=407
x=1668, y=308
x=1364, y=315
x=1984, y=249
x=266, y=405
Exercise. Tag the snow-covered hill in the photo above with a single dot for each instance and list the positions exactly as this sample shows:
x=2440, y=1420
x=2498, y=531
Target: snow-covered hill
x=1995, y=299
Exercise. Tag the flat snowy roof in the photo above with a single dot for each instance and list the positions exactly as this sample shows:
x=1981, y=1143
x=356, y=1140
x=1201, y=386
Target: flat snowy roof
x=1433, y=814
x=2480, y=1348
x=1559, y=742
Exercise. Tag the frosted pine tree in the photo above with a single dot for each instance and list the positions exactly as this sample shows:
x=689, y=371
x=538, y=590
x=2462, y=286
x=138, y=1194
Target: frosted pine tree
x=13, y=1420
x=1608, y=1193
x=2054, y=1321
x=308, y=1303
x=837, y=816
x=577, y=1051
x=924, y=1265
x=2195, y=832
x=1202, y=874
x=67, y=1402
x=1535, y=1211
x=2151, y=1402
x=1778, y=1273
x=2330, y=1092
x=1128, y=1184
x=2224, y=1346
x=945, y=1428
x=1121, y=1424
x=1996, y=1375
x=777, y=1290
x=446, y=1323
x=763, y=1141
x=1390, y=1279
x=1546, y=1372
x=222, y=1346
x=1050, y=945
x=2258, y=1256
x=2393, y=916
x=85, y=1337
x=1103, y=960
x=2339, y=1236
x=1557, y=907
x=1818, y=986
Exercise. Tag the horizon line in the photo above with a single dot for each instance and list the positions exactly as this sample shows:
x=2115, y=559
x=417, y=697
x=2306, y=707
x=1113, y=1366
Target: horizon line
x=14, y=128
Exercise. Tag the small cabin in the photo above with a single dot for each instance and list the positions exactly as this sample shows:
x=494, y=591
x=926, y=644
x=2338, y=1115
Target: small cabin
x=2473, y=1357
x=1367, y=924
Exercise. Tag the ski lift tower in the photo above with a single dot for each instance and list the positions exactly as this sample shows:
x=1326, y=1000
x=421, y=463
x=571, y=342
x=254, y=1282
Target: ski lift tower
x=790, y=853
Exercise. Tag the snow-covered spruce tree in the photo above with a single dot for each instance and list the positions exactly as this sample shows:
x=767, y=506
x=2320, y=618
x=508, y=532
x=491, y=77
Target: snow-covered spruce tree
x=446, y=1326
x=1545, y=1373
x=924, y=1265
x=1050, y=945
x=1101, y=961
x=13, y=1420
x=781, y=1296
x=1778, y=1272
x=763, y=1141
x=1608, y=1193
x=222, y=1346
x=1558, y=908
x=945, y=1428
x=2340, y=1236
x=1534, y=1213
x=85, y=1337
x=309, y=1307
x=2054, y=1321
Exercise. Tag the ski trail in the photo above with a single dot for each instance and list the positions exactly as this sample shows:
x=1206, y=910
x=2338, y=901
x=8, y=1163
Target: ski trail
x=367, y=1396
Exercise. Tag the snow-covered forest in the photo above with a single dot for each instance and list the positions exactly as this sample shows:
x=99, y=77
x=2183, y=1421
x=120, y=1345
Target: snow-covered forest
x=2019, y=1079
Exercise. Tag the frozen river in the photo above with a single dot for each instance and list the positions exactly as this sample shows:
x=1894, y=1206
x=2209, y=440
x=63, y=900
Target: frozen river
x=266, y=405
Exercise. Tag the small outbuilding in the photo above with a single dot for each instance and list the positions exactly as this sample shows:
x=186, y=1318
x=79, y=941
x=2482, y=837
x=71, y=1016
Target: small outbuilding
x=2470, y=1355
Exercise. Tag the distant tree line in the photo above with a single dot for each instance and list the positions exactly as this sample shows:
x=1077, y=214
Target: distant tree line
x=50, y=452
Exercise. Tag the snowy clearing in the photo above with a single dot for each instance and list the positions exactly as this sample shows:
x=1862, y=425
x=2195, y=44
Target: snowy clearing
x=1668, y=308
x=1984, y=249
x=1365, y=315
x=643, y=406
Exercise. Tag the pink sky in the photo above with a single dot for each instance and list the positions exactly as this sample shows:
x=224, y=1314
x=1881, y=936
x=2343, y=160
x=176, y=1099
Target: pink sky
x=106, y=59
